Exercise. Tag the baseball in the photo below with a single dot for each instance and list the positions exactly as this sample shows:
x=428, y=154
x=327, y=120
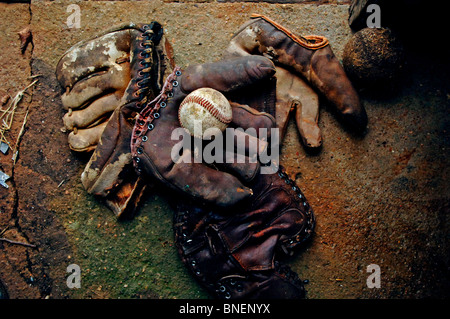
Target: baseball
x=204, y=109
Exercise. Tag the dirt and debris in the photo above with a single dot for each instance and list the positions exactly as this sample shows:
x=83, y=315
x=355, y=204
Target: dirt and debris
x=3, y=178
x=26, y=37
x=381, y=198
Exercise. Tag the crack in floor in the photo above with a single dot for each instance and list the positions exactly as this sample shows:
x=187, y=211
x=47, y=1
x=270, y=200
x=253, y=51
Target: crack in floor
x=13, y=224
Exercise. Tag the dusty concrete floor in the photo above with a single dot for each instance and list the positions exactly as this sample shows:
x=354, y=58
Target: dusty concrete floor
x=379, y=199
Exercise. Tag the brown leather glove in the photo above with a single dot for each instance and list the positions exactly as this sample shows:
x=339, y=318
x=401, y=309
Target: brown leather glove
x=236, y=254
x=294, y=95
x=300, y=61
x=97, y=76
x=152, y=142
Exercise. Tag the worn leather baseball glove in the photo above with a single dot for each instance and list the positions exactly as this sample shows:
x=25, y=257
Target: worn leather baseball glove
x=303, y=62
x=95, y=73
x=238, y=254
x=152, y=144
x=96, y=76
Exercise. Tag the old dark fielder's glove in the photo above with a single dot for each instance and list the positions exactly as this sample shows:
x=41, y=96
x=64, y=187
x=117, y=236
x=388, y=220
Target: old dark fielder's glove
x=153, y=145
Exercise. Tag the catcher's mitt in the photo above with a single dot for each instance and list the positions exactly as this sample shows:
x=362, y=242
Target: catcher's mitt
x=236, y=254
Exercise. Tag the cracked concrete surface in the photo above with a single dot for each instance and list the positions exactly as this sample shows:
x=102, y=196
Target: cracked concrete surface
x=379, y=199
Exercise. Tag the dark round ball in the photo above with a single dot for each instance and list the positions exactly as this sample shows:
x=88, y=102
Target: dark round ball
x=373, y=57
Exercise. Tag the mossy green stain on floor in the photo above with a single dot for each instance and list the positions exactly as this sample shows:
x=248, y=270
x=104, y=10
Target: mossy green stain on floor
x=134, y=258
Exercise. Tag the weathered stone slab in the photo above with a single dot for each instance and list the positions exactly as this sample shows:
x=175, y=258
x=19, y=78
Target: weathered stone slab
x=379, y=199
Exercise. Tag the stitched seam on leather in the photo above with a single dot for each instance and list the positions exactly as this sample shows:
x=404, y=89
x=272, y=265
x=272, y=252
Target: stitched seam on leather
x=210, y=107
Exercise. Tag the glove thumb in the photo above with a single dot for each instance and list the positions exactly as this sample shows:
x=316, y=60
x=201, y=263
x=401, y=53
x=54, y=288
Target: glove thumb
x=228, y=75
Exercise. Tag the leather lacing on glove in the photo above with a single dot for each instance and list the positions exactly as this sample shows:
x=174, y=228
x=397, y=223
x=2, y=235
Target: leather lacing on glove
x=145, y=81
x=149, y=113
x=289, y=245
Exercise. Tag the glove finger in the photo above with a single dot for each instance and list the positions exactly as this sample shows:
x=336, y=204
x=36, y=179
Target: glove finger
x=307, y=114
x=245, y=144
x=328, y=76
x=246, y=117
x=286, y=98
x=307, y=117
x=95, y=86
x=86, y=140
x=99, y=109
x=294, y=93
x=251, y=126
x=237, y=151
x=89, y=57
x=239, y=165
x=228, y=75
x=206, y=183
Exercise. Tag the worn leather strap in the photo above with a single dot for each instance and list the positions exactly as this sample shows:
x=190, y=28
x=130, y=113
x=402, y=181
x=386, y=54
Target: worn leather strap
x=313, y=42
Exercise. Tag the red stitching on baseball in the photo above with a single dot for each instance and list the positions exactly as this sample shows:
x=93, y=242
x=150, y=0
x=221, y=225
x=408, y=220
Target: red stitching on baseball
x=214, y=111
